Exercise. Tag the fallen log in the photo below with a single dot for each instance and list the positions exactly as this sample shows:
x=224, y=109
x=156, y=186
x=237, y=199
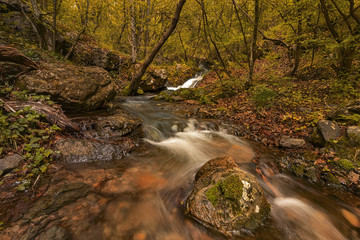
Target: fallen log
x=54, y=115
x=10, y=54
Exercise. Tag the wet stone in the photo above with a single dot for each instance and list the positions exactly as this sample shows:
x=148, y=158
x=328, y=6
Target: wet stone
x=57, y=198
x=76, y=150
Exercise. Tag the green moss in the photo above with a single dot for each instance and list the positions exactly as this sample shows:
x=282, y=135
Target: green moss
x=332, y=179
x=298, y=170
x=140, y=91
x=232, y=187
x=345, y=164
x=213, y=195
x=228, y=189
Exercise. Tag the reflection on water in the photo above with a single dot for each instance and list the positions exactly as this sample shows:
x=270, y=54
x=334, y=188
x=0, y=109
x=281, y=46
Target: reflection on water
x=161, y=175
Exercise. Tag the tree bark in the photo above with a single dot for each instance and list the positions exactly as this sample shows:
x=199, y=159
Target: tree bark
x=133, y=36
x=10, y=54
x=136, y=79
x=249, y=81
x=54, y=24
x=297, y=48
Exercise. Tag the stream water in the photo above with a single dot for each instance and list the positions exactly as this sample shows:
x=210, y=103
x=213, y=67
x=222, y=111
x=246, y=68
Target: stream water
x=173, y=150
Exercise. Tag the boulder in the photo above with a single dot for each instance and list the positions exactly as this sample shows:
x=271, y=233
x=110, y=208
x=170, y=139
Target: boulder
x=77, y=151
x=76, y=88
x=353, y=133
x=117, y=125
x=154, y=80
x=329, y=130
x=10, y=162
x=288, y=142
x=227, y=199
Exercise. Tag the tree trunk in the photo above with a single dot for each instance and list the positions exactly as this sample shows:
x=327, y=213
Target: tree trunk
x=133, y=37
x=10, y=54
x=136, y=79
x=249, y=81
x=80, y=33
x=54, y=24
x=297, y=49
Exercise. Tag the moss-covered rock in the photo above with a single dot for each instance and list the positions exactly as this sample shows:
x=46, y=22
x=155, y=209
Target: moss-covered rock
x=76, y=88
x=227, y=199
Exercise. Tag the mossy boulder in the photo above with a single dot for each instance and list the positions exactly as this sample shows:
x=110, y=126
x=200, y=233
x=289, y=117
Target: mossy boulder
x=76, y=88
x=227, y=199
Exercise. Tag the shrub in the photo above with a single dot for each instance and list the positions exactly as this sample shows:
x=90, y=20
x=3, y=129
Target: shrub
x=263, y=96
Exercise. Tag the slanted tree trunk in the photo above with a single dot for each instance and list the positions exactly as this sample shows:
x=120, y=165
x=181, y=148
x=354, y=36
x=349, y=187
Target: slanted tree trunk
x=136, y=79
x=85, y=22
x=10, y=54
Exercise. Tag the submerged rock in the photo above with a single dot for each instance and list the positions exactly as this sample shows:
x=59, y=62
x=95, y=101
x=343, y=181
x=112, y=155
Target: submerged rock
x=227, y=199
x=76, y=88
x=76, y=150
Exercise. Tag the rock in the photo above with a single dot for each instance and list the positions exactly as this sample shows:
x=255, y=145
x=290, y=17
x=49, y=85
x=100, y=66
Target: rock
x=56, y=198
x=353, y=134
x=354, y=106
x=287, y=142
x=117, y=125
x=76, y=151
x=227, y=199
x=11, y=5
x=10, y=162
x=154, y=80
x=76, y=88
x=329, y=130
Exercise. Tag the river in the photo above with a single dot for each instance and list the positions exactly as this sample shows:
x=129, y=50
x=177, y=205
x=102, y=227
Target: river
x=175, y=147
x=142, y=196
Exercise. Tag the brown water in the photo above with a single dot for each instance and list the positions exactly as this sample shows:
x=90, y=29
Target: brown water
x=164, y=167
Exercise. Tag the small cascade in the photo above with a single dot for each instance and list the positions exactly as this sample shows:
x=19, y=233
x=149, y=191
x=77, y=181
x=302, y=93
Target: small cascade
x=192, y=82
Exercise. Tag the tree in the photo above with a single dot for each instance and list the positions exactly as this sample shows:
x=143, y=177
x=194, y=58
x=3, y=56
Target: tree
x=135, y=82
x=346, y=40
x=84, y=22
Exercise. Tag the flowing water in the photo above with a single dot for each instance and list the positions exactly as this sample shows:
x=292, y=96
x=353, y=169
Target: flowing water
x=164, y=166
x=192, y=82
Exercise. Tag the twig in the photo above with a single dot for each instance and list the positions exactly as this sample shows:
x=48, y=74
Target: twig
x=37, y=179
x=7, y=106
